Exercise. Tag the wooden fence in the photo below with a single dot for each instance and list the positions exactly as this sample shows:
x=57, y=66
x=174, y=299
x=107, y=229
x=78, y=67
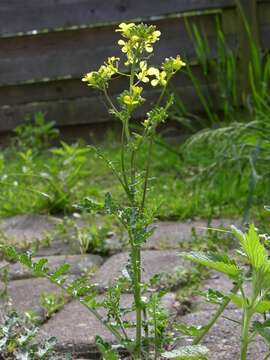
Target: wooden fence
x=46, y=46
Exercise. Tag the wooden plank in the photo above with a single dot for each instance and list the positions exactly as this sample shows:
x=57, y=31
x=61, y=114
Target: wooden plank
x=90, y=110
x=74, y=53
x=247, y=24
x=73, y=88
x=23, y=16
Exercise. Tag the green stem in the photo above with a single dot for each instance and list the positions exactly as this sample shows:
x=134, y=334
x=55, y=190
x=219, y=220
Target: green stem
x=216, y=316
x=123, y=167
x=132, y=175
x=245, y=333
x=147, y=174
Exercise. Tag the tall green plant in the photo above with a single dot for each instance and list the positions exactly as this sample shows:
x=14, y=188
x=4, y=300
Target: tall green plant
x=151, y=322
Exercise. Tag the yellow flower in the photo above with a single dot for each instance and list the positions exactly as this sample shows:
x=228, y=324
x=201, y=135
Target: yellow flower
x=124, y=45
x=160, y=77
x=142, y=75
x=112, y=64
x=130, y=101
x=125, y=29
x=156, y=35
x=172, y=65
x=153, y=71
x=178, y=63
x=133, y=97
x=88, y=77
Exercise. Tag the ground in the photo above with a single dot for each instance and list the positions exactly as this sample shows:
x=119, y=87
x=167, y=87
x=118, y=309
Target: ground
x=73, y=325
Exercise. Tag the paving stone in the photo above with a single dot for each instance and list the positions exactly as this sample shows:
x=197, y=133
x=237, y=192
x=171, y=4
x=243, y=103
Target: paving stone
x=223, y=340
x=169, y=234
x=153, y=262
x=76, y=328
x=27, y=228
x=78, y=265
x=25, y=295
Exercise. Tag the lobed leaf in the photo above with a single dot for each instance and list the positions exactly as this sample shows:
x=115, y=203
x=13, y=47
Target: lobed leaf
x=189, y=330
x=221, y=263
x=252, y=247
x=193, y=352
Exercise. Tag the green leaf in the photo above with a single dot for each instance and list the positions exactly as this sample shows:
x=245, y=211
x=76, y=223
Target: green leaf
x=214, y=296
x=189, y=330
x=237, y=300
x=263, y=306
x=39, y=268
x=263, y=329
x=252, y=247
x=55, y=277
x=221, y=263
x=9, y=252
x=26, y=259
x=106, y=350
x=193, y=352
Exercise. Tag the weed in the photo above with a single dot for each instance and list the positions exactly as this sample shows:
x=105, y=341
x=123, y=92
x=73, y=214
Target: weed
x=52, y=302
x=16, y=341
x=151, y=334
x=36, y=135
x=253, y=253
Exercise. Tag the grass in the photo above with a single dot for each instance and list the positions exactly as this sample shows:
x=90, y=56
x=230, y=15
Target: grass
x=52, y=181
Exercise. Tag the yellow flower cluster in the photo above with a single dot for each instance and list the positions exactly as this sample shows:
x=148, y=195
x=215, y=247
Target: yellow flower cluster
x=132, y=98
x=137, y=42
x=99, y=79
x=161, y=77
x=138, y=39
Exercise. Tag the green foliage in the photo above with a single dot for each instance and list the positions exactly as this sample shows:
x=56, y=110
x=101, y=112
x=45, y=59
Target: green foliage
x=235, y=144
x=16, y=341
x=130, y=210
x=52, y=302
x=251, y=292
x=36, y=135
x=218, y=262
x=196, y=352
x=64, y=177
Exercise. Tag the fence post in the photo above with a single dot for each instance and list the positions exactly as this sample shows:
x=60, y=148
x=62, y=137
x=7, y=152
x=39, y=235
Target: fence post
x=247, y=11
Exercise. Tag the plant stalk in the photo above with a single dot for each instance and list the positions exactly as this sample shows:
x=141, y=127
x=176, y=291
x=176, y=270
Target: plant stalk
x=216, y=316
x=245, y=333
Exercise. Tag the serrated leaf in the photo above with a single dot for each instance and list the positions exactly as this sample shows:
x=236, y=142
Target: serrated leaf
x=263, y=329
x=9, y=252
x=214, y=296
x=55, y=277
x=221, y=263
x=106, y=349
x=189, y=330
x=193, y=352
x=26, y=259
x=252, y=246
x=39, y=267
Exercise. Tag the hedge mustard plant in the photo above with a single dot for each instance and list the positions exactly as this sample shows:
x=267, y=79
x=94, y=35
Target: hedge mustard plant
x=150, y=324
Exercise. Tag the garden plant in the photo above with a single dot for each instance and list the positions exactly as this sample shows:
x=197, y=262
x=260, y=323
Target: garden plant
x=151, y=334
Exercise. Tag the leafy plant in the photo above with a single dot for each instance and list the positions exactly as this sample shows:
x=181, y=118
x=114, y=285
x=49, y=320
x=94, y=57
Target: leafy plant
x=52, y=302
x=253, y=252
x=149, y=329
x=36, y=134
x=64, y=176
x=16, y=341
